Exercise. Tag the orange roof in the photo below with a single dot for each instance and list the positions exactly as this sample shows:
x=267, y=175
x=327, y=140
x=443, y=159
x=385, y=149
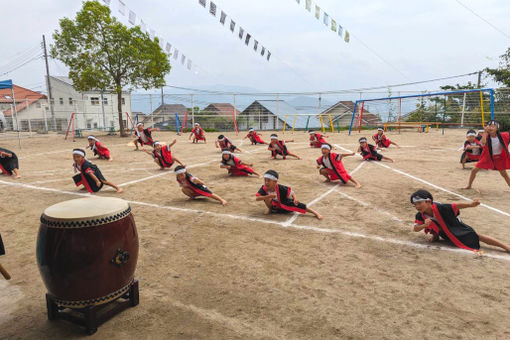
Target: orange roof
x=22, y=96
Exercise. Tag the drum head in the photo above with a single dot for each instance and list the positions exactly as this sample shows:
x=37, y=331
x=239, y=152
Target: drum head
x=92, y=208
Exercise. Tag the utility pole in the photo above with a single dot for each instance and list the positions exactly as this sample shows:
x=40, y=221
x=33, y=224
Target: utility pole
x=162, y=98
x=479, y=79
x=48, y=83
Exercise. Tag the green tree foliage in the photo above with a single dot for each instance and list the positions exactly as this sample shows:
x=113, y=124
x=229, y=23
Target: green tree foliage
x=103, y=54
x=502, y=74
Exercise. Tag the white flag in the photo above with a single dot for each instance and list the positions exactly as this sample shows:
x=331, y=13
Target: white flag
x=189, y=64
x=326, y=19
x=176, y=54
x=143, y=27
x=122, y=8
x=183, y=58
x=152, y=34
x=132, y=17
x=168, y=47
x=107, y=2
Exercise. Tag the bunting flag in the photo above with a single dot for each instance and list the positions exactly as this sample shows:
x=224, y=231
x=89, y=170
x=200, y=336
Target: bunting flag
x=189, y=64
x=212, y=8
x=122, y=7
x=107, y=2
x=183, y=59
x=143, y=27
x=223, y=17
x=132, y=17
x=168, y=47
x=243, y=36
x=152, y=33
x=328, y=21
x=176, y=54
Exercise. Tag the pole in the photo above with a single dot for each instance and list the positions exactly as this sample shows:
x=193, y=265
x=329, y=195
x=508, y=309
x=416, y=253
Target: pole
x=481, y=107
x=353, y=114
x=28, y=118
x=16, y=115
x=192, y=112
x=235, y=113
x=48, y=83
x=102, y=109
x=492, y=103
x=444, y=113
x=277, y=109
x=479, y=79
x=463, y=111
x=162, y=97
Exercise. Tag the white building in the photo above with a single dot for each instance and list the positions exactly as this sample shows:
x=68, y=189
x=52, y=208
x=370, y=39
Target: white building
x=93, y=109
x=31, y=108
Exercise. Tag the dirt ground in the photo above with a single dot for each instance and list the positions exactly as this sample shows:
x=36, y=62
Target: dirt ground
x=213, y=272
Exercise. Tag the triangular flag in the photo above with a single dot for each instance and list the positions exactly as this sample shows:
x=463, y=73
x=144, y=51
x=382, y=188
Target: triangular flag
x=202, y=2
x=122, y=7
x=347, y=37
x=241, y=32
x=317, y=12
x=232, y=25
x=308, y=5
x=247, y=41
x=333, y=25
x=326, y=19
x=132, y=17
x=212, y=8
x=223, y=17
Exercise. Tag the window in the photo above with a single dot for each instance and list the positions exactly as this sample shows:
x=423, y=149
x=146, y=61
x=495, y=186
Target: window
x=95, y=125
x=38, y=105
x=111, y=123
x=105, y=101
x=70, y=101
x=124, y=122
x=89, y=124
x=94, y=100
x=123, y=101
x=61, y=101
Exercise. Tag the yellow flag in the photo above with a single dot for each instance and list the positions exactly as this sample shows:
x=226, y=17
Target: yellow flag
x=347, y=38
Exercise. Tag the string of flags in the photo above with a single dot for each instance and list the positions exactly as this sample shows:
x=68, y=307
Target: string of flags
x=326, y=19
x=166, y=46
x=247, y=38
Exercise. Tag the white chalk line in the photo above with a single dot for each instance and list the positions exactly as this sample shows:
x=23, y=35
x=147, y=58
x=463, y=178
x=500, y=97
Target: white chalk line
x=435, y=186
x=61, y=151
x=365, y=204
x=296, y=215
x=282, y=224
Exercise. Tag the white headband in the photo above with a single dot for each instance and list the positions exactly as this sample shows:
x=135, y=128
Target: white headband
x=274, y=137
x=271, y=177
x=139, y=124
x=251, y=130
x=226, y=152
x=417, y=199
x=363, y=140
x=380, y=129
x=197, y=124
x=325, y=146
x=481, y=130
x=221, y=139
x=78, y=152
x=92, y=137
x=180, y=171
x=156, y=143
x=471, y=134
x=311, y=132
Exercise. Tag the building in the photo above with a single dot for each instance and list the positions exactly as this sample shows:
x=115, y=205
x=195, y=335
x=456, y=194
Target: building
x=93, y=109
x=273, y=114
x=164, y=116
x=221, y=109
x=31, y=108
x=341, y=113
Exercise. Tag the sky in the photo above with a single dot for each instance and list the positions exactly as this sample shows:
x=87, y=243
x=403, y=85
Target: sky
x=418, y=40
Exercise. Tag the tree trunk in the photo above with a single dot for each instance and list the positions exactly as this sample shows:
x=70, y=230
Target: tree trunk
x=119, y=108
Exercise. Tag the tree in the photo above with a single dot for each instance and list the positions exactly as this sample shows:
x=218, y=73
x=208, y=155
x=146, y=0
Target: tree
x=502, y=74
x=103, y=54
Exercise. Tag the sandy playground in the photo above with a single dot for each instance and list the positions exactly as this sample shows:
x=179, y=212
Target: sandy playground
x=213, y=272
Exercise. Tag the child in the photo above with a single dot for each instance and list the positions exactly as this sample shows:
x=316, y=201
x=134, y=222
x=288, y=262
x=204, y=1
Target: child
x=193, y=187
x=235, y=166
x=316, y=139
x=368, y=151
x=198, y=134
x=254, y=137
x=90, y=175
x=495, y=155
x=472, y=149
x=442, y=220
x=163, y=155
x=143, y=136
x=381, y=141
x=9, y=163
x=480, y=134
x=279, y=198
x=99, y=149
x=332, y=166
x=224, y=142
x=278, y=147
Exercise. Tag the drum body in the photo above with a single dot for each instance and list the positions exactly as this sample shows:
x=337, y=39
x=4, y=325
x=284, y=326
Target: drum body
x=87, y=251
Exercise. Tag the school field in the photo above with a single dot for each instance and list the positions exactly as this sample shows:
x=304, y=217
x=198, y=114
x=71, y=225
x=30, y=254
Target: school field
x=213, y=272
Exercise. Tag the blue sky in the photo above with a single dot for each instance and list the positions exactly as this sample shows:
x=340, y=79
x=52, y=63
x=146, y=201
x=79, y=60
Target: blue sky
x=422, y=39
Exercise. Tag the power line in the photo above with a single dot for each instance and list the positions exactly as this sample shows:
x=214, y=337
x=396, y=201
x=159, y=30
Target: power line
x=483, y=19
x=21, y=65
x=325, y=92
